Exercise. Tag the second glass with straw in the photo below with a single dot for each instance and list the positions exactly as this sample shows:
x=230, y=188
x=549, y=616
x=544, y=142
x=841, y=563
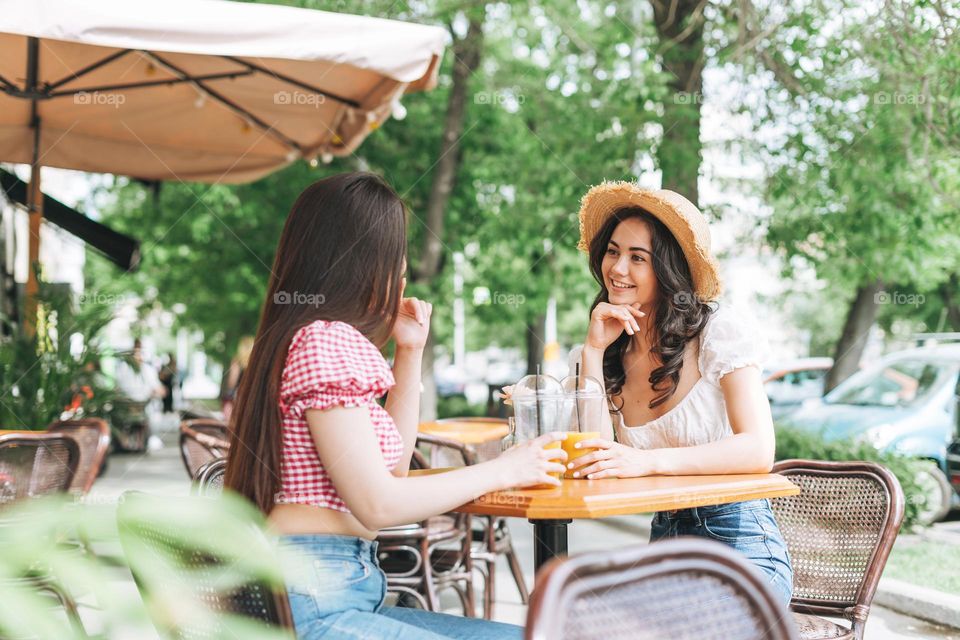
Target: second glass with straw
x=583, y=406
x=575, y=405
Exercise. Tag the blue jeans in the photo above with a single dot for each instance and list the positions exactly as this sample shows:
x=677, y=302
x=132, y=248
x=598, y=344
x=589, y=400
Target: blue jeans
x=336, y=590
x=749, y=527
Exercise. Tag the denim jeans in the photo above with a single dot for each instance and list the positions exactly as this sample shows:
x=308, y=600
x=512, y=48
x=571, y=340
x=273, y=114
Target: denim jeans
x=749, y=527
x=337, y=588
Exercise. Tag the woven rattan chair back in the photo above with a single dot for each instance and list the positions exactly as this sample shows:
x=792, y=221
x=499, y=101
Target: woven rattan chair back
x=839, y=531
x=482, y=451
x=198, y=568
x=201, y=441
x=445, y=452
x=92, y=435
x=684, y=588
x=36, y=464
x=209, y=482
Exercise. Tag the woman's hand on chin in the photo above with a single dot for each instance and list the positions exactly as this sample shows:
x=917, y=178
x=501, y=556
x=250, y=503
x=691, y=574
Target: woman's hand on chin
x=609, y=321
x=611, y=460
x=413, y=323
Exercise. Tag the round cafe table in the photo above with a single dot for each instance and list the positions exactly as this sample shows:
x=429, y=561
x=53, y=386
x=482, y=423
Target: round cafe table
x=466, y=430
x=482, y=435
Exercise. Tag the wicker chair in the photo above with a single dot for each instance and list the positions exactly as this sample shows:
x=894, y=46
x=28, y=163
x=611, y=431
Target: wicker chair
x=491, y=534
x=421, y=559
x=198, y=579
x=685, y=588
x=209, y=480
x=93, y=437
x=839, y=531
x=34, y=465
x=201, y=441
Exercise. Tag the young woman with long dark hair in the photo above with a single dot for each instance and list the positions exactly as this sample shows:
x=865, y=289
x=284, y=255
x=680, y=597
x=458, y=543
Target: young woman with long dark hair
x=682, y=371
x=311, y=446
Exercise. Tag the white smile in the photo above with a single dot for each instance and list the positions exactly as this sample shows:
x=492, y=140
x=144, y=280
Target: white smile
x=621, y=285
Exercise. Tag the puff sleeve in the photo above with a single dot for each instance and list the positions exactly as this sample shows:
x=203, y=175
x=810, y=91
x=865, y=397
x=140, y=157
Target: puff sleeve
x=731, y=340
x=331, y=364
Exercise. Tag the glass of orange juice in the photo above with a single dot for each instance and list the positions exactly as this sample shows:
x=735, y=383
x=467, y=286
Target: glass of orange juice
x=583, y=410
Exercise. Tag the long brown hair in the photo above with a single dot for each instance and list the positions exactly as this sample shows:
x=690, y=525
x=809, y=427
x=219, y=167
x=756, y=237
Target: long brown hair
x=340, y=257
x=678, y=316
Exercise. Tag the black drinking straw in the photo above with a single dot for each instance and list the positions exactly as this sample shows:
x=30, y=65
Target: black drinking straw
x=536, y=387
x=576, y=399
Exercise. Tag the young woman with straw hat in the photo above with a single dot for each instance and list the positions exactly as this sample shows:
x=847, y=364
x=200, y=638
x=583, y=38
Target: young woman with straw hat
x=681, y=370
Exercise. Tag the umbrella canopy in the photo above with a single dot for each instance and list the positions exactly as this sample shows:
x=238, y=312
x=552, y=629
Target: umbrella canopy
x=198, y=90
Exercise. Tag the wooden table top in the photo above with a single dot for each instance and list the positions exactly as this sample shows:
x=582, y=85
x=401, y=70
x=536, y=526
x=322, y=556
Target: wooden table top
x=624, y=496
x=472, y=432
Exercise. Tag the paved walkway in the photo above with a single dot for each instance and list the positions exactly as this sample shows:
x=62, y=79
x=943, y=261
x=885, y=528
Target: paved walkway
x=162, y=472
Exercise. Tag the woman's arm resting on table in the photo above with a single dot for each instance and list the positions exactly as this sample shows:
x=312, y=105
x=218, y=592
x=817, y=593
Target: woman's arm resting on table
x=347, y=446
x=749, y=450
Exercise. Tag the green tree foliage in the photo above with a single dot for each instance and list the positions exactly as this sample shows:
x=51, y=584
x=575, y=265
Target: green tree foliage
x=558, y=103
x=861, y=143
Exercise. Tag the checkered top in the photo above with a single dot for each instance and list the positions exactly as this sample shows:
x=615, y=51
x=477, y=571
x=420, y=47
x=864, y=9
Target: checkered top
x=329, y=364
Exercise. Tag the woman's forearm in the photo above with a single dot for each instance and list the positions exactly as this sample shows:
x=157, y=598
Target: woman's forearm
x=403, y=401
x=738, y=453
x=411, y=499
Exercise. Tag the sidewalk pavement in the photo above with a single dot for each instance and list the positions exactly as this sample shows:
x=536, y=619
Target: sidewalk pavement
x=162, y=472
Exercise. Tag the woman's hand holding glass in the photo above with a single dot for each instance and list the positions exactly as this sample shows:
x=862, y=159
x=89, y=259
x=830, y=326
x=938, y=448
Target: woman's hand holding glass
x=531, y=463
x=611, y=460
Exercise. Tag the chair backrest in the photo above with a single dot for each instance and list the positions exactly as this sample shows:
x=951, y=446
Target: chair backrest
x=209, y=480
x=189, y=577
x=450, y=453
x=36, y=464
x=201, y=441
x=92, y=435
x=683, y=588
x=839, y=531
x=485, y=450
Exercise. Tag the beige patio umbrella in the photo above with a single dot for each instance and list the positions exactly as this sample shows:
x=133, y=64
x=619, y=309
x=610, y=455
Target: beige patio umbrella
x=195, y=90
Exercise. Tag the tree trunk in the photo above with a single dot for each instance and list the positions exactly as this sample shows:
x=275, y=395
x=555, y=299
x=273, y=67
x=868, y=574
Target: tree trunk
x=536, y=334
x=466, y=52
x=856, y=329
x=679, y=25
x=948, y=291
x=8, y=287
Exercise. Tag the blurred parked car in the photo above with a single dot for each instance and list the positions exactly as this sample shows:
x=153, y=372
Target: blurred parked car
x=791, y=383
x=905, y=404
x=451, y=381
x=953, y=451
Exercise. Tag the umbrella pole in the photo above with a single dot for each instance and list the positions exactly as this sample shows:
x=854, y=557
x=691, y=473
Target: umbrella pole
x=34, y=196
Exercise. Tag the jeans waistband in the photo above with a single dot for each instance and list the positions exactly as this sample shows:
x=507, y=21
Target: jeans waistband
x=697, y=513
x=323, y=544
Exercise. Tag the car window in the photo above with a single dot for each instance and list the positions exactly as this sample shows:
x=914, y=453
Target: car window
x=898, y=384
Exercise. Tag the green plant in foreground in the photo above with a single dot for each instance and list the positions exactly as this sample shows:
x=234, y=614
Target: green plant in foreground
x=33, y=536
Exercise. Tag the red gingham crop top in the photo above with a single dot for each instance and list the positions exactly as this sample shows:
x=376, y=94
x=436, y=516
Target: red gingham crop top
x=329, y=364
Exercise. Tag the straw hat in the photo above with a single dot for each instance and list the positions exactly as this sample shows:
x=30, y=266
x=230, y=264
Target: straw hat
x=680, y=216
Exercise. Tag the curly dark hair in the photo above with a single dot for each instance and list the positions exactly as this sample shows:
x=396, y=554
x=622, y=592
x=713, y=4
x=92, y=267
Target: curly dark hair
x=679, y=315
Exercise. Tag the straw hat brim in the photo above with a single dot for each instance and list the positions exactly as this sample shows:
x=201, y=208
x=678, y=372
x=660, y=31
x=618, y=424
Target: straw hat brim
x=684, y=220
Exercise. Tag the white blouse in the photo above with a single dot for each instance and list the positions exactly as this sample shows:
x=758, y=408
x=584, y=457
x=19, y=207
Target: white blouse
x=729, y=341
